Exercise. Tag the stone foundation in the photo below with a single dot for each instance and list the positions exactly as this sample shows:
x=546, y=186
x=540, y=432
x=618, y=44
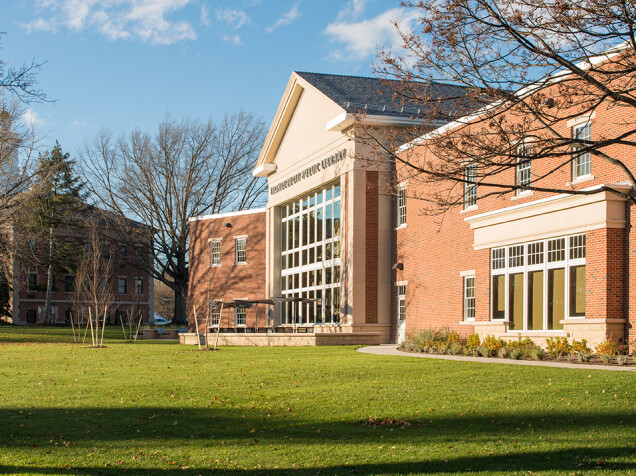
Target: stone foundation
x=286, y=339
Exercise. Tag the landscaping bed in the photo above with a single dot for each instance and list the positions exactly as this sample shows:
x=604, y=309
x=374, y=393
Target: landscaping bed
x=444, y=341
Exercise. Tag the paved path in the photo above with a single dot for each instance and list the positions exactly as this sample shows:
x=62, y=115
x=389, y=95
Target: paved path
x=392, y=350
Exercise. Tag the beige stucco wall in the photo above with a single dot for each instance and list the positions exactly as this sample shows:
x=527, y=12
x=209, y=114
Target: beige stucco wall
x=299, y=140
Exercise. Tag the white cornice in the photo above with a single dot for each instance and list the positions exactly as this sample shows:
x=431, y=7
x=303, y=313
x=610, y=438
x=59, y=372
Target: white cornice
x=228, y=214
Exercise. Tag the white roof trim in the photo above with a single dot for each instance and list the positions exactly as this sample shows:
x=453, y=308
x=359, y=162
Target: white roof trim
x=264, y=170
x=347, y=119
x=228, y=214
x=526, y=91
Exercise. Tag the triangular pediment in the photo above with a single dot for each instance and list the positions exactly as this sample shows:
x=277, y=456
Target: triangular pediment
x=298, y=126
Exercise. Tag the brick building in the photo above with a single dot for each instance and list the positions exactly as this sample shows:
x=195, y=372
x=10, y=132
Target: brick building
x=524, y=263
x=129, y=285
x=327, y=231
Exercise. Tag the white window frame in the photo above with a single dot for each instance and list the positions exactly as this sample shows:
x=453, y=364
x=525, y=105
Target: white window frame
x=581, y=162
x=401, y=302
x=401, y=206
x=240, y=310
x=470, y=186
x=523, y=170
x=138, y=287
x=303, y=273
x=215, y=314
x=551, y=260
x=240, y=247
x=469, y=304
x=215, y=252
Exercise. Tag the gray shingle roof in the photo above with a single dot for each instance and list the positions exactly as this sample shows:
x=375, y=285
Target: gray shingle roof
x=374, y=96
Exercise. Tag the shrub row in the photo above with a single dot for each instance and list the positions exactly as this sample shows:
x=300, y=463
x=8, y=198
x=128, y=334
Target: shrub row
x=445, y=341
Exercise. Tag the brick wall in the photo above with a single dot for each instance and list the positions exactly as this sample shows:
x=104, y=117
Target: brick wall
x=371, y=242
x=435, y=248
x=228, y=280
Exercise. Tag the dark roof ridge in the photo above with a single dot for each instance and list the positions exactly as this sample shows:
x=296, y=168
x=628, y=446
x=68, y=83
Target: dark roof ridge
x=382, y=79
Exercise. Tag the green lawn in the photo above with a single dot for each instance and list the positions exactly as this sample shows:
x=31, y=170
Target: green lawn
x=156, y=408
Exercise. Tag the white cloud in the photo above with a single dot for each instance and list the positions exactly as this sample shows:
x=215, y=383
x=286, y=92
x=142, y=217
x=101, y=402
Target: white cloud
x=286, y=19
x=116, y=19
x=232, y=39
x=352, y=10
x=205, y=19
x=32, y=118
x=234, y=18
x=361, y=39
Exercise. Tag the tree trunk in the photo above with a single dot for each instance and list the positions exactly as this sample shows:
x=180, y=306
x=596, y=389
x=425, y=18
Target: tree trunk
x=46, y=318
x=179, y=308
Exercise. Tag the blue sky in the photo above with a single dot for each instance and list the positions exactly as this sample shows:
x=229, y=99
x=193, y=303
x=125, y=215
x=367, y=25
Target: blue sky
x=120, y=64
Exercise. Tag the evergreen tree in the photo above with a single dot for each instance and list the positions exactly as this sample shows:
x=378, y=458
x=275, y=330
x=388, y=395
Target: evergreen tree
x=56, y=202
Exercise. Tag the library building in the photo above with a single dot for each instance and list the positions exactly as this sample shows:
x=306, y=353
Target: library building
x=340, y=255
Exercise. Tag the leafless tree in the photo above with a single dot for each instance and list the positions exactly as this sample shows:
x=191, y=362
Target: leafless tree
x=187, y=168
x=94, y=292
x=527, y=67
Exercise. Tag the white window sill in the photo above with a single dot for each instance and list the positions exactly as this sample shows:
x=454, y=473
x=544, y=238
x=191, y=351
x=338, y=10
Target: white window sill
x=469, y=209
x=215, y=266
x=524, y=194
x=582, y=179
x=242, y=263
x=402, y=226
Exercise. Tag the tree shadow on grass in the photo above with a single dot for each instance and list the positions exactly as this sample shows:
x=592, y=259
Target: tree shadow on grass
x=568, y=461
x=69, y=430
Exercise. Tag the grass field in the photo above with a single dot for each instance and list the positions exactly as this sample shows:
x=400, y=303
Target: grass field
x=158, y=408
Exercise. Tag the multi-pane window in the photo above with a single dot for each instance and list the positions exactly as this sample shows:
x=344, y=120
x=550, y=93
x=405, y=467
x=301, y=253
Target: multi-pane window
x=241, y=250
x=310, y=257
x=535, y=253
x=556, y=250
x=121, y=285
x=69, y=283
x=401, y=302
x=541, y=283
x=32, y=281
x=240, y=315
x=577, y=246
x=215, y=314
x=469, y=298
x=123, y=250
x=139, y=254
x=139, y=285
x=215, y=253
x=401, y=206
x=498, y=258
x=470, y=186
x=581, y=163
x=515, y=256
x=523, y=169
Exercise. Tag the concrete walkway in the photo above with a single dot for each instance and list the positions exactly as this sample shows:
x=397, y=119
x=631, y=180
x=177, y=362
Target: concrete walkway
x=392, y=350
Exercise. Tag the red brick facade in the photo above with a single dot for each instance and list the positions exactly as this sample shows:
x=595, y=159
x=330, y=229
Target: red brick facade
x=126, y=265
x=436, y=249
x=227, y=280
